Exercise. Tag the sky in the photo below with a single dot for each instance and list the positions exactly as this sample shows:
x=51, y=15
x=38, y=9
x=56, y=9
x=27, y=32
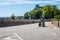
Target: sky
x=20, y=7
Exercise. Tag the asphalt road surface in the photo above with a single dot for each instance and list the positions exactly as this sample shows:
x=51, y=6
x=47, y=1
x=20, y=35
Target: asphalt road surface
x=30, y=32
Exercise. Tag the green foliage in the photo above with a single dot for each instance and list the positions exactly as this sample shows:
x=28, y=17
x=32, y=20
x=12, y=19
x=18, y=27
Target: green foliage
x=13, y=17
x=19, y=17
x=57, y=17
x=49, y=11
x=58, y=12
x=37, y=7
x=26, y=15
x=34, y=14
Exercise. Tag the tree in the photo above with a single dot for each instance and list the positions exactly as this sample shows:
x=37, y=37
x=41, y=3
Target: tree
x=57, y=17
x=58, y=12
x=35, y=13
x=13, y=17
x=26, y=15
x=38, y=13
x=54, y=10
x=36, y=6
x=49, y=11
x=19, y=17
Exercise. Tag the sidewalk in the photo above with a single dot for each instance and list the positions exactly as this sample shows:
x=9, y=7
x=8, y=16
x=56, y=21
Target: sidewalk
x=50, y=25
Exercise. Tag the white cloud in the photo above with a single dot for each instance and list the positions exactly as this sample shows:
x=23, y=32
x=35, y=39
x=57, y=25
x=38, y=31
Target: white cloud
x=27, y=2
x=56, y=0
x=35, y=2
x=16, y=0
x=4, y=3
x=13, y=0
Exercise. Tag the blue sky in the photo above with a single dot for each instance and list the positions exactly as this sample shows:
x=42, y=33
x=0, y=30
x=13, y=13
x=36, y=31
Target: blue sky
x=19, y=7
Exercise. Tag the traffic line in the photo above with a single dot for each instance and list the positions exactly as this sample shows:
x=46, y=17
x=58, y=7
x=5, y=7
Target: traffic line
x=9, y=38
x=18, y=36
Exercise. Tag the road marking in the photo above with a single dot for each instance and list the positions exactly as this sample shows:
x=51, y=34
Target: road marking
x=54, y=34
x=18, y=36
x=9, y=38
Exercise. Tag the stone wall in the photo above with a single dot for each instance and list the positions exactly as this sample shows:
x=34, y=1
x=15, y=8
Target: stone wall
x=9, y=22
x=16, y=22
x=56, y=22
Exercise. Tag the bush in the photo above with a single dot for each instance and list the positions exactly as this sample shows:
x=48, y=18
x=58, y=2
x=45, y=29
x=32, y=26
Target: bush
x=13, y=17
x=57, y=17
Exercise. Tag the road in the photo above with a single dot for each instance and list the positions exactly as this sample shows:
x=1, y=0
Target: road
x=30, y=32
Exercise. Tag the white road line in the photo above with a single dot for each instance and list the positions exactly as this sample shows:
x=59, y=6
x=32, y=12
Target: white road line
x=54, y=34
x=8, y=38
x=18, y=36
